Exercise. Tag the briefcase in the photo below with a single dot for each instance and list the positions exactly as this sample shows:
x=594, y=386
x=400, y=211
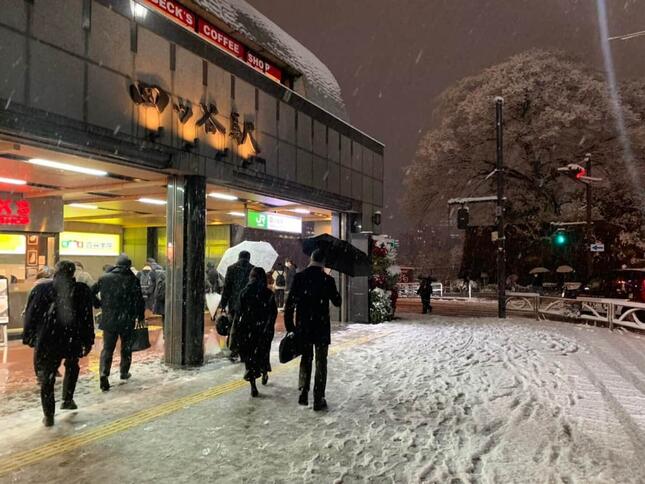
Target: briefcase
x=140, y=336
x=290, y=348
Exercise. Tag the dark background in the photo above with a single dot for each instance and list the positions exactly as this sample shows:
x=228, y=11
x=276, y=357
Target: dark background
x=393, y=57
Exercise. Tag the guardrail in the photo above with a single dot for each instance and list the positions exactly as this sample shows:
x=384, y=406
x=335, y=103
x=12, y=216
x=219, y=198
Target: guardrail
x=409, y=289
x=608, y=311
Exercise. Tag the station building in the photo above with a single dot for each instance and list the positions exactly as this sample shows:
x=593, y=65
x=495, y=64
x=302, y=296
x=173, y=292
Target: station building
x=173, y=130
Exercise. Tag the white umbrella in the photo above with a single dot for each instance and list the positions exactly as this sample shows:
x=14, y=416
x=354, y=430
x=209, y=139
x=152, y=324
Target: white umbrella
x=539, y=270
x=564, y=269
x=262, y=255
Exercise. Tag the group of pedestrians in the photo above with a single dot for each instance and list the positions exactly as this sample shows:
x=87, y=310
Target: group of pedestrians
x=59, y=322
x=253, y=307
x=59, y=325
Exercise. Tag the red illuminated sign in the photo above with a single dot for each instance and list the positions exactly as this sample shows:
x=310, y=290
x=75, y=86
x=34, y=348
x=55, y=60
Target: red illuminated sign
x=220, y=39
x=175, y=11
x=263, y=66
x=14, y=212
x=215, y=36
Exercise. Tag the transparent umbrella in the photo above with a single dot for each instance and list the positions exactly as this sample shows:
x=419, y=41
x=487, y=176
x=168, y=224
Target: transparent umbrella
x=262, y=255
x=539, y=270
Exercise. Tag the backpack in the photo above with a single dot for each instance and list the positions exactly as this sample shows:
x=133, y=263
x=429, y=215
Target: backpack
x=280, y=280
x=147, y=282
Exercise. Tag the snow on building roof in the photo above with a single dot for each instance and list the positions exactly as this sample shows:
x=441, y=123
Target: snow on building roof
x=321, y=87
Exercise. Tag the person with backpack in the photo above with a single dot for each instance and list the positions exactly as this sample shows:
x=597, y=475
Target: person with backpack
x=148, y=280
x=58, y=324
x=279, y=285
x=160, y=297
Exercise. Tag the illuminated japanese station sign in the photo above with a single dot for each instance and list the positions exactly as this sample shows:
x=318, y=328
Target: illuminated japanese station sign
x=89, y=244
x=14, y=212
x=273, y=221
x=207, y=31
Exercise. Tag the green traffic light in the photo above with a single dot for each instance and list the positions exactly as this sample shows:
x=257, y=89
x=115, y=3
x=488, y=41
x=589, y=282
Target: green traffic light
x=560, y=239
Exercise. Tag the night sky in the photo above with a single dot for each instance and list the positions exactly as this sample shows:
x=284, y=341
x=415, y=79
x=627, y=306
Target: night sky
x=393, y=57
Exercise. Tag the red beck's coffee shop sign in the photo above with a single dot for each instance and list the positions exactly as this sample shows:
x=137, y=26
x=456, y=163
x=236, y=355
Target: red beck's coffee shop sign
x=215, y=36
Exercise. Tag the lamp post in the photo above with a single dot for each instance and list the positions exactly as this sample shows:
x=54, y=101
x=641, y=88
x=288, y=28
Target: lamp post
x=499, y=210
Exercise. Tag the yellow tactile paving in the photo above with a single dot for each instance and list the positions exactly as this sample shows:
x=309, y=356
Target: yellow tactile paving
x=18, y=460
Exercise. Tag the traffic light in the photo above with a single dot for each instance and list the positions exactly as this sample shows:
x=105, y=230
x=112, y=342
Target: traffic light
x=560, y=238
x=462, y=218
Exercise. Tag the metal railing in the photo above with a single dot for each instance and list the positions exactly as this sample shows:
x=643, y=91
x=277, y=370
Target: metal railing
x=607, y=311
x=409, y=289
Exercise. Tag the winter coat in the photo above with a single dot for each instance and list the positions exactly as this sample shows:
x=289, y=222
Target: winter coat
x=237, y=277
x=290, y=273
x=309, y=298
x=212, y=279
x=58, y=318
x=425, y=289
x=160, y=295
x=121, y=300
x=255, y=326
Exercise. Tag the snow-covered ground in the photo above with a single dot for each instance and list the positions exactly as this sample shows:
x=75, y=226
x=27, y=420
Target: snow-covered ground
x=447, y=400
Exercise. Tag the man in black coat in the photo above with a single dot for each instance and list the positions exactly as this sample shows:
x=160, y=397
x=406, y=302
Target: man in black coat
x=59, y=326
x=310, y=295
x=425, y=292
x=122, y=305
x=237, y=277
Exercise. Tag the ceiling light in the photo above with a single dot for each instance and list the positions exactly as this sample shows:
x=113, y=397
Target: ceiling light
x=303, y=211
x=237, y=214
x=83, y=205
x=12, y=181
x=152, y=201
x=223, y=196
x=67, y=167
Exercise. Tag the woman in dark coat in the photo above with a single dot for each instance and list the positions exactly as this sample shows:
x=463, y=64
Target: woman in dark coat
x=254, y=333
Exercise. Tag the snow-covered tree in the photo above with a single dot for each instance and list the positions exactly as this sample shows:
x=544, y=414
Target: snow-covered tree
x=556, y=110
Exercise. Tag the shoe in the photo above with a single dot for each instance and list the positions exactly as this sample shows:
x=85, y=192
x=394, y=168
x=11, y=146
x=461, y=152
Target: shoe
x=105, y=384
x=69, y=405
x=127, y=376
x=265, y=378
x=320, y=405
x=254, y=390
x=48, y=420
x=303, y=399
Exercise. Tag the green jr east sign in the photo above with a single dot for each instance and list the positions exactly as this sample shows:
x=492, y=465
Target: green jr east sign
x=273, y=221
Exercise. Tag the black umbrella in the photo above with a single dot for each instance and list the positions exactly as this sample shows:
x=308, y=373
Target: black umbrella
x=340, y=255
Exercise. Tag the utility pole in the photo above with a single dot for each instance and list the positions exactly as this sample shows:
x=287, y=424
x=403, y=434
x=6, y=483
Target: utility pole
x=499, y=211
x=589, y=231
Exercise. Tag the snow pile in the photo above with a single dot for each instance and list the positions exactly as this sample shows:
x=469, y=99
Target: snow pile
x=321, y=87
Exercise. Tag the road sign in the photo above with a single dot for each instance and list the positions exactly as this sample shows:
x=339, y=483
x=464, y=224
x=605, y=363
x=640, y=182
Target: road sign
x=598, y=247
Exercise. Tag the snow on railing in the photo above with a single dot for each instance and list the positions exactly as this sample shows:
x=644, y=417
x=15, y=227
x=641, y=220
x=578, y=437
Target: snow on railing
x=609, y=311
x=409, y=289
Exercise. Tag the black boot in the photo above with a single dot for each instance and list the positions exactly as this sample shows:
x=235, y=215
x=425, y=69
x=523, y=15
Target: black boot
x=303, y=399
x=265, y=378
x=254, y=389
x=105, y=384
x=320, y=404
x=48, y=420
x=69, y=405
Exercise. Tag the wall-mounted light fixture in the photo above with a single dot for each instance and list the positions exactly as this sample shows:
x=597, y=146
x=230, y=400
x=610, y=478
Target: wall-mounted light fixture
x=153, y=135
x=191, y=146
x=376, y=218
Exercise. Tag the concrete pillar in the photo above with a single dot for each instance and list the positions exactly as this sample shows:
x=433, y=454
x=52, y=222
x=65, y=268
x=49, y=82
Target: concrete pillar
x=186, y=237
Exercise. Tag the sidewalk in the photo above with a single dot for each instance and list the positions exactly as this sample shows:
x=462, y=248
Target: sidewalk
x=16, y=360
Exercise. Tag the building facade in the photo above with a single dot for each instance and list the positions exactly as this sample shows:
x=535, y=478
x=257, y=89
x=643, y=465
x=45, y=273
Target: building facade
x=169, y=102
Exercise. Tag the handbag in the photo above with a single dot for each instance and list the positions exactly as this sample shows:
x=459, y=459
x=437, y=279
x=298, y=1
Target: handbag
x=140, y=336
x=223, y=325
x=290, y=348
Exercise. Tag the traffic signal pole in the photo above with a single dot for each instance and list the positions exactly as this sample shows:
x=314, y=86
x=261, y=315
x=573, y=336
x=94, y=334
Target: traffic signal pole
x=589, y=231
x=499, y=211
